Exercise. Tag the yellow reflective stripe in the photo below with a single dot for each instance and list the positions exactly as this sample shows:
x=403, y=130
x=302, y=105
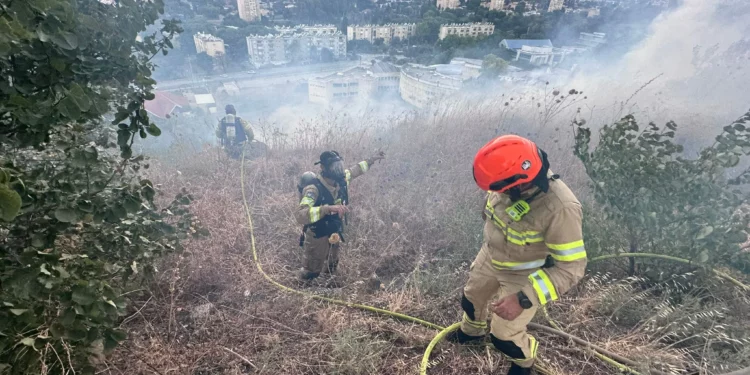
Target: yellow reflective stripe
x=533, y=346
x=348, y=176
x=533, y=237
x=364, y=166
x=307, y=201
x=474, y=323
x=314, y=214
x=517, y=265
x=568, y=252
x=512, y=235
x=543, y=286
x=566, y=246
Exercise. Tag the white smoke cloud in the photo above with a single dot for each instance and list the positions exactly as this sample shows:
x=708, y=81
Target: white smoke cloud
x=698, y=56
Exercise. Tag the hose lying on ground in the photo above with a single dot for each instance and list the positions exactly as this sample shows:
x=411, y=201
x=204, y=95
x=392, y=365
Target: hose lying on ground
x=613, y=359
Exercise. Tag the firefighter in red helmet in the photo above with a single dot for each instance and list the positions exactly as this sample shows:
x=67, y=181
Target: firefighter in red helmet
x=532, y=251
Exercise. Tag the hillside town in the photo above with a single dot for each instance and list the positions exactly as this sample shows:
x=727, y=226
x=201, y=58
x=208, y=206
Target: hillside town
x=447, y=45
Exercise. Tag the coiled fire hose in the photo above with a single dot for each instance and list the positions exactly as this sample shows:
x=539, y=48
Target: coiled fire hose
x=621, y=363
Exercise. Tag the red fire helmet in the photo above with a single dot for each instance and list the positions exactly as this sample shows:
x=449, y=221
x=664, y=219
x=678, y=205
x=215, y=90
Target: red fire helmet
x=505, y=162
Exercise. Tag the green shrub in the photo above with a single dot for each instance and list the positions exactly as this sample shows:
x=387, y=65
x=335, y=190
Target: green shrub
x=660, y=201
x=88, y=226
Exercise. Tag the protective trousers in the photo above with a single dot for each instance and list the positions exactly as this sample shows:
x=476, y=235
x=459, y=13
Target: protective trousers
x=320, y=255
x=509, y=337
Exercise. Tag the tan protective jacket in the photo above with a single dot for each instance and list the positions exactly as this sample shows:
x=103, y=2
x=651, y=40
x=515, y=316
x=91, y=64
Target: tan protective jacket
x=553, y=227
x=307, y=212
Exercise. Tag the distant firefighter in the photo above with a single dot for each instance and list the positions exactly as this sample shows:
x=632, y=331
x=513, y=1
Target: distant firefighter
x=532, y=252
x=233, y=132
x=323, y=204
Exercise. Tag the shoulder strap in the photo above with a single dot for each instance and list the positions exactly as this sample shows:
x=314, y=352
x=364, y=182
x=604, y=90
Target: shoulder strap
x=324, y=195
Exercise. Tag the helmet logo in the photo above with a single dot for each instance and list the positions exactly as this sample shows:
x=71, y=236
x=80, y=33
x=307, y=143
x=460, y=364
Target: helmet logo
x=525, y=165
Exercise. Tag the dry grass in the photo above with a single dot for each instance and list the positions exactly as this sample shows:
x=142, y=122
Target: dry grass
x=414, y=228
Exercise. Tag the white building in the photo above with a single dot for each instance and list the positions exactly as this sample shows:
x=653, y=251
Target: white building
x=555, y=5
x=535, y=51
x=516, y=44
x=497, y=5
x=541, y=55
x=387, y=32
x=448, y=4
x=404, y=31
x=283, y=48
x=425, y=86
x=467, y=30
x=249, y=10
x=311, y=29
x=205, y=102
x=361, y=82
x=209, y=44
x=471, y=68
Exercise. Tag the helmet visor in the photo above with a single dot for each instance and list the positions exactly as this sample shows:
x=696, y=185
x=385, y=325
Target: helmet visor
x=503, y=185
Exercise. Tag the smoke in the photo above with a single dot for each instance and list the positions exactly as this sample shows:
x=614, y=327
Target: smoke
x=691, y=66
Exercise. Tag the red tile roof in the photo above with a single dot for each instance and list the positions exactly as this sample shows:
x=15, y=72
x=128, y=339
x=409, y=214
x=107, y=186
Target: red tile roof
x=164, y=103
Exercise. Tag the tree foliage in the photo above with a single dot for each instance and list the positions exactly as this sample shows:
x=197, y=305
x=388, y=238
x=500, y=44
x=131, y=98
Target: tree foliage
x=205, y=62
x=493, y=66
x=663, y=202
x=87, y=223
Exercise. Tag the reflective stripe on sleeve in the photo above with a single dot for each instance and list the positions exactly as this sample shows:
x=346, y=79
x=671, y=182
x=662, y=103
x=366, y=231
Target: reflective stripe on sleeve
x=517, y=265
x=314, y=214
x=348, y=176
x=543, y=286
x=474, y=323
x=567, y=252
x=364, y=166
x=307, y=201
x=533, y=346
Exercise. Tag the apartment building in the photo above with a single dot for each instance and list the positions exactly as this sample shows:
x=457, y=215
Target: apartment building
x=404, y=31
x=467, y=30
x=311, y=29
x=266, y=49
x=209, y=44
x=497, y=5
x=249, y=10
x=423, y=86
x=448, y=4
x=387, y=32
x=555, y=5
x=364, y=82
x=282, y=48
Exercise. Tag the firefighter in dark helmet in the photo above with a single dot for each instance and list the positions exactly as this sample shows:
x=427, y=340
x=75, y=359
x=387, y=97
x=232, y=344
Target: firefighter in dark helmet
x=233, y=131
x=321, y=211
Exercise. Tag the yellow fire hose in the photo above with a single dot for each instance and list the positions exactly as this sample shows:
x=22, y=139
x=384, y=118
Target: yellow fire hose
x=619, y=362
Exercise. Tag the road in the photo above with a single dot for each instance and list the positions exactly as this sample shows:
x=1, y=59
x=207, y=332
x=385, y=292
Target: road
x=243, y=79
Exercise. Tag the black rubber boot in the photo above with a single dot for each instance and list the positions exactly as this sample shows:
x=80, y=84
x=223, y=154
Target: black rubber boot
x=459, y=337
x=307, y=276
x=518, y=370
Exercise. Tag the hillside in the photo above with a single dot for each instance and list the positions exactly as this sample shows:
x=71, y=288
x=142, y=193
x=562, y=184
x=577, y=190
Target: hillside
x=414, y=228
